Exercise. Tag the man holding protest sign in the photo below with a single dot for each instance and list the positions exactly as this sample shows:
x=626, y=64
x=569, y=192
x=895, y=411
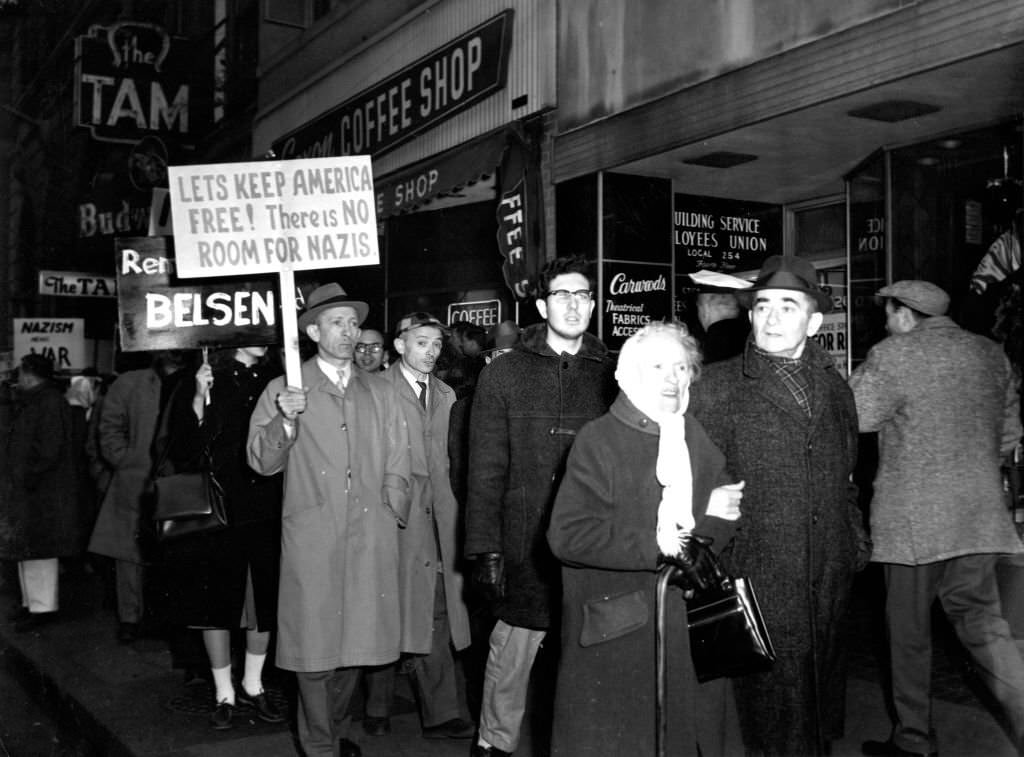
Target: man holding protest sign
x=345, y=450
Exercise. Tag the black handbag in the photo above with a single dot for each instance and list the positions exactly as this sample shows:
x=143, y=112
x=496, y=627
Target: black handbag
x=728, y=636
x=188, y=503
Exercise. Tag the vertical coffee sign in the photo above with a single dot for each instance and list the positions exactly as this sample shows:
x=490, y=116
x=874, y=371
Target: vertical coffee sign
x=634, y=295
x=713, y=234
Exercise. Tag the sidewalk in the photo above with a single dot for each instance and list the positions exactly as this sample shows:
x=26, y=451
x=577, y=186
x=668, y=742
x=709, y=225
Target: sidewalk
x=131, y=702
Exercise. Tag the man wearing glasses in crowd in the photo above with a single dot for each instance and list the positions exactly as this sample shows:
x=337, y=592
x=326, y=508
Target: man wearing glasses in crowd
x=370, y=354
x=526, y=412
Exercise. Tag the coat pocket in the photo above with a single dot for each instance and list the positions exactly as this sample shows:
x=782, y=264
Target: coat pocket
x=609, y=618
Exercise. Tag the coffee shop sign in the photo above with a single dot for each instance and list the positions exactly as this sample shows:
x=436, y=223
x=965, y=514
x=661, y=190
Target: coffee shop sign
x=133, y=80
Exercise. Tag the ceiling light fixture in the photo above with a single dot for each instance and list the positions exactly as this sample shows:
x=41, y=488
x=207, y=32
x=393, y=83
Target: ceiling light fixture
x=894, y=111
x=950, y=144
x=720, y=159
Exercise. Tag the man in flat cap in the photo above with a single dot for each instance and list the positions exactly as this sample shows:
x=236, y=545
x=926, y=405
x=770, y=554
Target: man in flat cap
x=945, y=406
x=434, y=616
x=785, y=420
x=344, y=447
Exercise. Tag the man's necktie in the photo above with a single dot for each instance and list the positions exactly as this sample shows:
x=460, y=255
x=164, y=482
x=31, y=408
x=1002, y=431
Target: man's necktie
x=423, y=394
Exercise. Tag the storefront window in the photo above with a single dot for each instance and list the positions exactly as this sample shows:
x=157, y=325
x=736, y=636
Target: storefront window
x=866, y=211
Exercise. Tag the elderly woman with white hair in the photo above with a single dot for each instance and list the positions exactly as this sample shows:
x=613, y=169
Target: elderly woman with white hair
x=644, y=486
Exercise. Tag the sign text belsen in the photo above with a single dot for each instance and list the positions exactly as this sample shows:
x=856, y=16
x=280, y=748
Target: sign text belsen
x=156, y=310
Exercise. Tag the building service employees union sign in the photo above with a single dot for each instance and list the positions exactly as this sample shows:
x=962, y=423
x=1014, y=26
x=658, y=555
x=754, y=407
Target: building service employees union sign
x=133, y=80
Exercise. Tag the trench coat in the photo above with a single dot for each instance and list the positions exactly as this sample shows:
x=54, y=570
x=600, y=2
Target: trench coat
x=941, y=399
x=603, y=529
x=433, y=510
x=127, y=427
x=801, y=538
x=346, y=492
x=527, y=408
x=40, y=509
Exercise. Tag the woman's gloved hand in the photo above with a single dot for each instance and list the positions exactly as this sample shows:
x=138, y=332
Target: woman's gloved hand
x=697, y=567
x=489, y=575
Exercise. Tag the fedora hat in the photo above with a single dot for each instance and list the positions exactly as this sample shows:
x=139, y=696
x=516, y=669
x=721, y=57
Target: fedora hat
x=787, y=272
x=329, y=296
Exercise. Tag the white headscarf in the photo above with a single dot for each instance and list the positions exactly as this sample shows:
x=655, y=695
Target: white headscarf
x=675, y=511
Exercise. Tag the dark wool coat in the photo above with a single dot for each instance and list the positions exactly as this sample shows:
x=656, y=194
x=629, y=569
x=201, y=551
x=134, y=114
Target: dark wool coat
x=39, y=507
x=527, y=408
x=800, y=540
x=207, y=573
x=603, y=528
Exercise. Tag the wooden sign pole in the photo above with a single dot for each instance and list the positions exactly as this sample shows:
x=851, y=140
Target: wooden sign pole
x=290, y=329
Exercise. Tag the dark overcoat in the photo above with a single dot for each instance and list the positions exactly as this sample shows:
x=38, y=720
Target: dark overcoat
x=801, y=538
x=527, y=409
x=208, y=572
x=127, y=427
x=603, y=528
x=39, y=505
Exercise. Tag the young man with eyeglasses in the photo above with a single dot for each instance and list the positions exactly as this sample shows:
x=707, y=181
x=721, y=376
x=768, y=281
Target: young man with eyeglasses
x=369, y=351
x=527, y=409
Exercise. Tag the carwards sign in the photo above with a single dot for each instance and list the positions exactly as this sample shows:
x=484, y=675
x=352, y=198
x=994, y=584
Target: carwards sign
x=471, y=67
x=133, y=80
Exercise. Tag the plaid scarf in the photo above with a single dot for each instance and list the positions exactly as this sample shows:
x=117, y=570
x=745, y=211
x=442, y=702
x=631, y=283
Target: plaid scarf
x=792, y=373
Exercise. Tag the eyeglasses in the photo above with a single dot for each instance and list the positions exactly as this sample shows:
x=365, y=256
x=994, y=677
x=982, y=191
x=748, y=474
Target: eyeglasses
x=562, y=296
x=373, y=348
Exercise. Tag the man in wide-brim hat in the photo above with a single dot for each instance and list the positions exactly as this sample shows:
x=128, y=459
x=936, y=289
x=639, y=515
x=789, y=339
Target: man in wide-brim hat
x=785, y=419
x=345, y=448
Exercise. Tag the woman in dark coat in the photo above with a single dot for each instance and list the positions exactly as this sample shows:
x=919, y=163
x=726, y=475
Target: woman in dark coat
x=38, y=508
x=225, y=579
x=626, y=497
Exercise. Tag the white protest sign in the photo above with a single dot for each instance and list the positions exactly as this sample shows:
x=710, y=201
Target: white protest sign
x=273, y=216
x=60, y=339
x=832, y=337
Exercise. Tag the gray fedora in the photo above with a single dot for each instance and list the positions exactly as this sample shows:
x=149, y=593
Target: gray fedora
x=329, y=296
x=787, y=272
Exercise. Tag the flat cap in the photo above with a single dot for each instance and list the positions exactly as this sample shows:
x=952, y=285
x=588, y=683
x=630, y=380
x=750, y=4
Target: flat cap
x=922, y=296
x=415, y=320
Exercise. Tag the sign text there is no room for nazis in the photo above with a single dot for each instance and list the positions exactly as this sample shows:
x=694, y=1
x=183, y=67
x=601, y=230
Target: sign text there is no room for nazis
x=243, y=218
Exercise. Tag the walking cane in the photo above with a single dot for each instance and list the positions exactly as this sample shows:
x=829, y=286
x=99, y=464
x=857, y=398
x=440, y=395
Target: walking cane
x=661, y=725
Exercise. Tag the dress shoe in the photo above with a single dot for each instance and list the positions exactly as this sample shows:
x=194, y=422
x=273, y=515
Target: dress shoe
x=127, y=632
x=33, y=620
x=221, y=716
x=377, y=726
x=456, y=728
x=266, y=710
x=479, y=750
x=889, y=749
x=348, y=748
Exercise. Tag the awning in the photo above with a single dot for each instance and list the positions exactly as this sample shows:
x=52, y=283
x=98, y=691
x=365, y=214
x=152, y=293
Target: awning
x=418, y=184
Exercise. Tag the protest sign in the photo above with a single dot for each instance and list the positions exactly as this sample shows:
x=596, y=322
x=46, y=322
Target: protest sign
x=60, y=339
x=159, y=311
x=274, y=216
x=271, y=216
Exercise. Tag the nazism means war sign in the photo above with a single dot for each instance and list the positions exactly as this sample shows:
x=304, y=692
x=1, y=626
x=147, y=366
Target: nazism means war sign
x=159, y=311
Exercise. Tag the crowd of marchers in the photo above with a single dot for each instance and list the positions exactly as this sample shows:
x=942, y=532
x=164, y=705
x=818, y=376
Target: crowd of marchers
x=412, y=500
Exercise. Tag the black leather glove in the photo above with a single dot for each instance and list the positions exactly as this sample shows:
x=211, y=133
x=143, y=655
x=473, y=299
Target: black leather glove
x=697, y=568
x=489, y=575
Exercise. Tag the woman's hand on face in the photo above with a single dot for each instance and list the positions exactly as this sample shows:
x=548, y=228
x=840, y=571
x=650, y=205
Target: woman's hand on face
x=725, y=501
